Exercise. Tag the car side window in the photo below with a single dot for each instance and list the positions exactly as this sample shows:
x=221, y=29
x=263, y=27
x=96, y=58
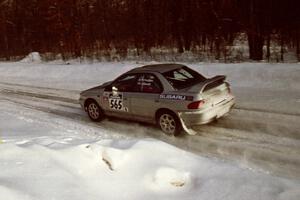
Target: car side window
x=124, y=83
x=148, y=83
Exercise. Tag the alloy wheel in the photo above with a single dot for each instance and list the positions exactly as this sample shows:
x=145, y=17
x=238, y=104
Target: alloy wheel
x=167, y=124
x=94, y=111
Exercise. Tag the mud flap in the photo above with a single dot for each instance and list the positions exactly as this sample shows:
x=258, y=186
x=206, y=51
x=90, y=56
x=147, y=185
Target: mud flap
x=190, y=131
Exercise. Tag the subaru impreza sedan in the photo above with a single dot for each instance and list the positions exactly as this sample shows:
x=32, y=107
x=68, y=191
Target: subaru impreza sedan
x=172, y=96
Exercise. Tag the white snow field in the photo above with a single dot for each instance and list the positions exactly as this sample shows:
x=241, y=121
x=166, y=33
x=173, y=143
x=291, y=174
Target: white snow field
x=49, y=149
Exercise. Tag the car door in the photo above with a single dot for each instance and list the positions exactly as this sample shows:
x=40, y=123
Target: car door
x=116, y=96
x=145, y=98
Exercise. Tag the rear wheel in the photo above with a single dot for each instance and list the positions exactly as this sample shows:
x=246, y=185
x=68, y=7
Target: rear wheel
x=169, y=123
x=94, y=111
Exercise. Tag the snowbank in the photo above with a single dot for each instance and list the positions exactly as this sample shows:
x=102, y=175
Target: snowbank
x=80, y=76
x=33, y=57
x=128, y=169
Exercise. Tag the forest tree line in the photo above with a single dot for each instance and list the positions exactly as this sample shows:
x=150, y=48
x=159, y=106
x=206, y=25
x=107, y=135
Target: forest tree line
x=85, y=27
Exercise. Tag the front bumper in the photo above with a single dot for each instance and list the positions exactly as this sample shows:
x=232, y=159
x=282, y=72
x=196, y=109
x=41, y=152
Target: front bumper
x=205, y=116
x=81, y=102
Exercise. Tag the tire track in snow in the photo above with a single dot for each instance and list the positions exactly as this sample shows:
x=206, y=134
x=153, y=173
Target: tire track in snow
x=284, y=124
x=266, y=111
x=41, y=96
x=227, y=139
x=15, y=85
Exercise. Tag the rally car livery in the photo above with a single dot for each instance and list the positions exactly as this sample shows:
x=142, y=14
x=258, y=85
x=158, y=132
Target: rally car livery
x=171, y=95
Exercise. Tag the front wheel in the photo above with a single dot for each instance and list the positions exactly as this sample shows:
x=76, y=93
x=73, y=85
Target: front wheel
x=169, y=123
x=94, y=111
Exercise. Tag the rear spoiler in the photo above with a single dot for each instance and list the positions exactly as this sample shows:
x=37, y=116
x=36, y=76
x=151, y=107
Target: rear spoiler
x=213, y=82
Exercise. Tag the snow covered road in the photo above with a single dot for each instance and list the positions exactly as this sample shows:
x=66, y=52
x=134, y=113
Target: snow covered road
x=49, y=149
x=254, y=135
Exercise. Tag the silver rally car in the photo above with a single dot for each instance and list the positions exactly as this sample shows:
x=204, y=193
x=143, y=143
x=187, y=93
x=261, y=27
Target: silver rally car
x=171, y=95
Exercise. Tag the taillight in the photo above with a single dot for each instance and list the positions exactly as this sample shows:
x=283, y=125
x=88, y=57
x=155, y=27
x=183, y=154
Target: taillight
x=196, y=104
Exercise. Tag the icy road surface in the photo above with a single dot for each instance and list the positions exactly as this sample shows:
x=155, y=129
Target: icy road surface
x=261, y=133
x=46, y=156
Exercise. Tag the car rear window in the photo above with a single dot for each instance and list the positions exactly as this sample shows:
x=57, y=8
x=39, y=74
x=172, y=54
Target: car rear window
x=183, y=77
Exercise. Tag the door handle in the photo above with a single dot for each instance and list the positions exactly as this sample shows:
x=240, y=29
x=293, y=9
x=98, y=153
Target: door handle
x=156, y=101
x=125, y=98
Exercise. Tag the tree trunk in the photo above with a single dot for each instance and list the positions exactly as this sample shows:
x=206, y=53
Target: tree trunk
x=298, y=46
x=256, y=43
x=268, y=47
x=179, y=43
x=187, y=43
x=281, y=49
x=218, y=50
x=255, y=38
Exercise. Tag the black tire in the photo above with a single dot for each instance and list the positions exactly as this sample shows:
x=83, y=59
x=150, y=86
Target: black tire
x=94, y=111
x=169, y=123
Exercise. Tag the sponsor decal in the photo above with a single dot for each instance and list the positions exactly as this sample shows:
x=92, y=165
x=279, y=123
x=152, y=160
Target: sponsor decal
x=176, y=97
x=145, y=82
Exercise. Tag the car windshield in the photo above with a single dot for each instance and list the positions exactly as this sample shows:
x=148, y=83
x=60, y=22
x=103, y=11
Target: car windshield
x=183, y=77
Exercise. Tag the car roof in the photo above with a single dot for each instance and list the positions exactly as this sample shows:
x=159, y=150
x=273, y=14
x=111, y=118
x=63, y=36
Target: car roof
x=160, y=68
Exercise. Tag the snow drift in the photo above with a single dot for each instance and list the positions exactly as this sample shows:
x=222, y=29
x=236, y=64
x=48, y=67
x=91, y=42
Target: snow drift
x=33, y=57
x=128, y=169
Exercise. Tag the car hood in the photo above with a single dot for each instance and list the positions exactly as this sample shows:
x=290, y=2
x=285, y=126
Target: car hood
x=95, y=88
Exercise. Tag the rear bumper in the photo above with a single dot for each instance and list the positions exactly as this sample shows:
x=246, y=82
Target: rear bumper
x=207, y=115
